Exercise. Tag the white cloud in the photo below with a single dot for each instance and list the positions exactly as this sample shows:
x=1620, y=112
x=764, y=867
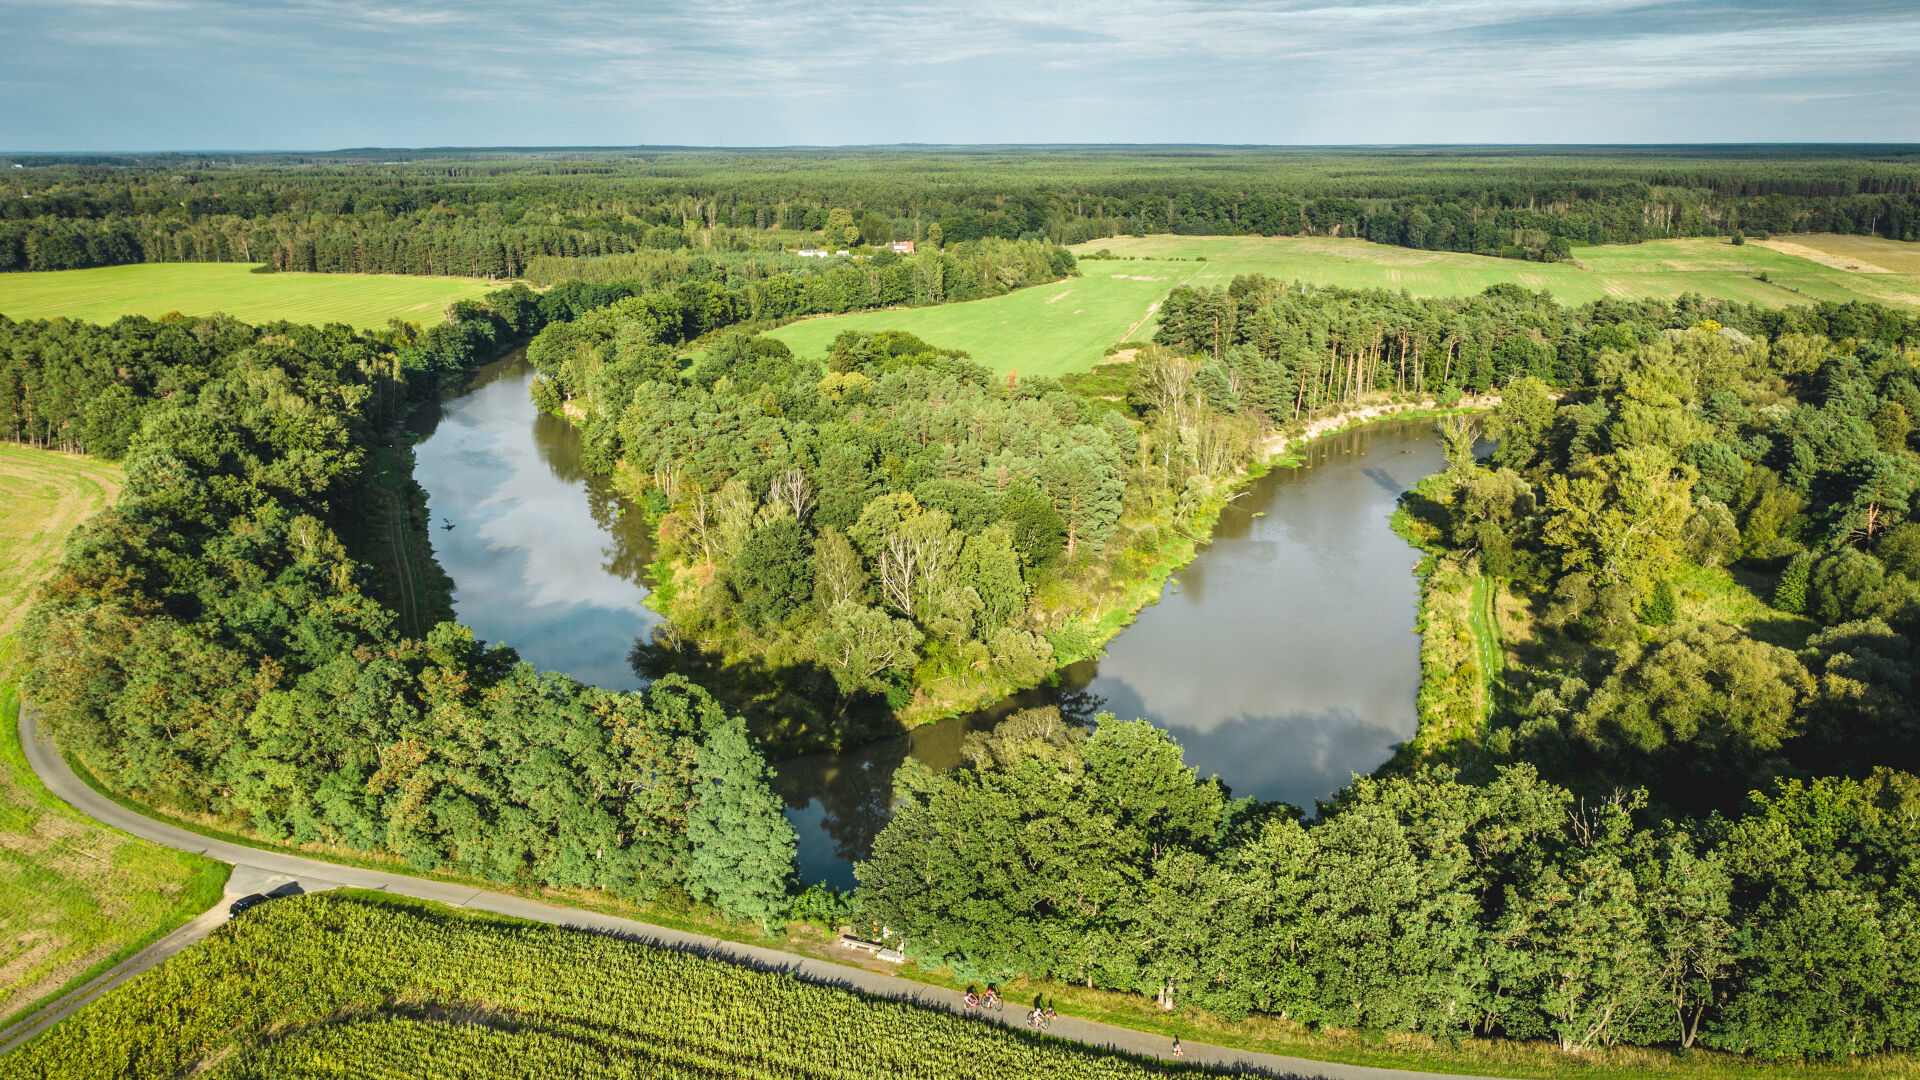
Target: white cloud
x=734, y=72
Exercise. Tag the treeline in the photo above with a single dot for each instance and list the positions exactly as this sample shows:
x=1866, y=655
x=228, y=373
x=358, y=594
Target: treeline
x=1507, y=907
x=211, y=644
x=493, y=217
x=676, y=300
x=1291, y=350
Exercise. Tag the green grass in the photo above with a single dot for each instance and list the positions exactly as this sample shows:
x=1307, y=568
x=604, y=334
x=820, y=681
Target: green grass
x=75, y=896
x=1485, y=627
x=366, y=301
x=1067, y=327
x=1040, y=330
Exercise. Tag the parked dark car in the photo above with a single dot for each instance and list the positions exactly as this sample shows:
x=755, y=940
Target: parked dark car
x=245, y=902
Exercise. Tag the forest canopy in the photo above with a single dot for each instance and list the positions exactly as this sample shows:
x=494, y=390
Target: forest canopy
x=496, y=215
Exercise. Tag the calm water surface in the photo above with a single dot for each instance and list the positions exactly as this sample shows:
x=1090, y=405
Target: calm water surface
x=543, y=558
x=1283, y=658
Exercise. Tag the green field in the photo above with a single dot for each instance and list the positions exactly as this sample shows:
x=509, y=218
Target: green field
x=1041, y=330
x=75, y=896
x=1054, y=329
x=154, y=289
x=354, y=984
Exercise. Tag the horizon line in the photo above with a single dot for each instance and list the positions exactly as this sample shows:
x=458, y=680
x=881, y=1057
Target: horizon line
x=950, y=146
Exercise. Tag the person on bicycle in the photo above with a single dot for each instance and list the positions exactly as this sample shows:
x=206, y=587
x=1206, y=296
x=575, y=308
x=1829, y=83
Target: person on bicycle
x=972, y=1000
x=991, y=999
x=1178, y=1051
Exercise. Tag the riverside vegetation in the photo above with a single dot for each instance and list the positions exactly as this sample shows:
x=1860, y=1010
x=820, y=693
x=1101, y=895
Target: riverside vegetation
x=1693, y=821
x=218, y=644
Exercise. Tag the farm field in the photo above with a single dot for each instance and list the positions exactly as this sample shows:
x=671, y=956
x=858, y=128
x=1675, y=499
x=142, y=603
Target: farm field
x=102, y=295
x=75, y=896
x=1055, y=329
x=1656, y=269
x=1040, y=330
x=346, y=983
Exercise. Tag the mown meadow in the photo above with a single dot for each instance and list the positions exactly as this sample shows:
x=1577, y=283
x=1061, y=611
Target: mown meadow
x=363, y=301
x=1067, y=328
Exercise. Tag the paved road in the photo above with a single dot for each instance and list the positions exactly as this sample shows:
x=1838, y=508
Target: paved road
x=60, y=780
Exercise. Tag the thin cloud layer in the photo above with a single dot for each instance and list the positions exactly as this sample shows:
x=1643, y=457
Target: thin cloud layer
x=237, y=74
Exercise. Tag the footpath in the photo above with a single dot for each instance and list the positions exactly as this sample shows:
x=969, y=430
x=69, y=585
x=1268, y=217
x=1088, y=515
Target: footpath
x=260, y=870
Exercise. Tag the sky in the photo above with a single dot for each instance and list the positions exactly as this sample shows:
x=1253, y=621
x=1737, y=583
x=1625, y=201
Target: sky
x=145, y=75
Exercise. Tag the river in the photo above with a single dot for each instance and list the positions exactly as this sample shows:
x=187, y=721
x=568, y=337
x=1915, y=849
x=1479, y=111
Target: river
x=1283, y=658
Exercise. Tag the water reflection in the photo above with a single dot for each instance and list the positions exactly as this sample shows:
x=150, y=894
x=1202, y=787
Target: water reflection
x=542, y=557
x=1282, y=659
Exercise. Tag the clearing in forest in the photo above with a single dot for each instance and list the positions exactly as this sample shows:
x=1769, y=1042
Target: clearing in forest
x=102, y=295
x=75, y=896
x=1030, y=332
x=1039, y=330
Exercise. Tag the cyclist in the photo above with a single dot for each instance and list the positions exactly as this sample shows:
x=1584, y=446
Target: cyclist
x=1177, y=1050
x=972, y=999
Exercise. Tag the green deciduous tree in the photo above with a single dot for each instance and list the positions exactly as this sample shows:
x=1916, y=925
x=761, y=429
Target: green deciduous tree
x=742, y=844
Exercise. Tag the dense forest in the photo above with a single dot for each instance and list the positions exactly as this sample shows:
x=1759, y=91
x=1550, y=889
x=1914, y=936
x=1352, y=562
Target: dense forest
x=497, y=215
x=1690, y=821
x=1683, y=825
x=212, y=644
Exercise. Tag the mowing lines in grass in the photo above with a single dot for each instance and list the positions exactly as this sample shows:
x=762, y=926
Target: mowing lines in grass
x=102, y=295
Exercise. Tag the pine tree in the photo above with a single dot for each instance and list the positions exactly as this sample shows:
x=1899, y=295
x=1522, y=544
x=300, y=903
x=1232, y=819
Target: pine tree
x=743, y=846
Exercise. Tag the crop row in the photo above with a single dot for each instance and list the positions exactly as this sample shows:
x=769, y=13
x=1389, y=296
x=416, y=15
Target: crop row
x=331, y=986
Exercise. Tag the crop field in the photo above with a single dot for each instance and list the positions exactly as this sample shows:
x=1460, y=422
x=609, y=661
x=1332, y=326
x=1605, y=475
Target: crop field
x=1055, y=329
x=75, y=896
x=339, y=984
x=102, y=295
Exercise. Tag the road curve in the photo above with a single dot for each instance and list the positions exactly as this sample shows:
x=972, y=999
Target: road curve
x=60, y=779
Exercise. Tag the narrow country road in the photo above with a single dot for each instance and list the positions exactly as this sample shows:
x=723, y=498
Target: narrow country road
x=264, y=868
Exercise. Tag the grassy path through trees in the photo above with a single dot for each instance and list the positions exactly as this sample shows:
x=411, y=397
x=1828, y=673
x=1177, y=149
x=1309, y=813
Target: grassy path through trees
x=1485, y=624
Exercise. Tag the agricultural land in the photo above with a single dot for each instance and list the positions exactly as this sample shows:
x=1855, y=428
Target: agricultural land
x=1054, y=330
x=435, y=993
x=364, y=301
x=75, y=896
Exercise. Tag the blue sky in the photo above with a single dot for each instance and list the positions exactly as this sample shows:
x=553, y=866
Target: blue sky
x=323, y=74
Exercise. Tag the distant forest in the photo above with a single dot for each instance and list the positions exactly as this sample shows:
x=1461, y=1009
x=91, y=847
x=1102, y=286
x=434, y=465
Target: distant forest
x=490, y=213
